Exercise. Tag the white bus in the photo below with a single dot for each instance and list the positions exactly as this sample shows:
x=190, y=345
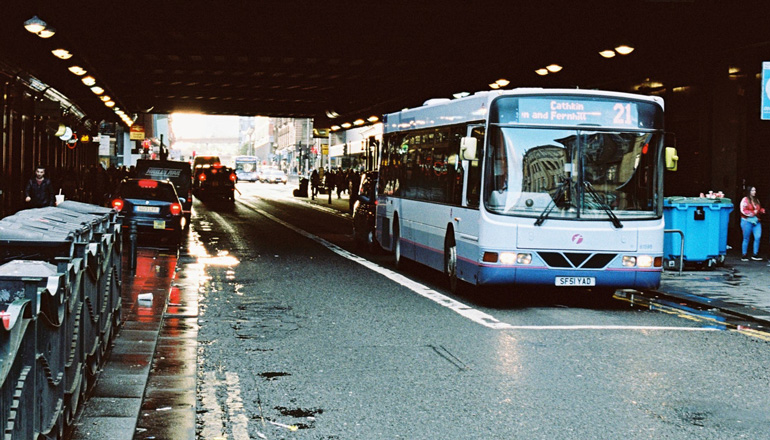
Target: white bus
x=246, y=168
x=529, y=186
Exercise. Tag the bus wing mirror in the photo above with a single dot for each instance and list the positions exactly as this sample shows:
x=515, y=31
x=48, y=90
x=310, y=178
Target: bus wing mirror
x=672, y=158
x=468, y=148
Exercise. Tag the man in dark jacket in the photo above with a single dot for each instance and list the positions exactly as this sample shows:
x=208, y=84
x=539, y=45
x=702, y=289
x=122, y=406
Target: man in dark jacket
x=39, y=191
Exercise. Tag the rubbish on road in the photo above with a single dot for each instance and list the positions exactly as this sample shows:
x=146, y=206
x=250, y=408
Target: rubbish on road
x=289, y=427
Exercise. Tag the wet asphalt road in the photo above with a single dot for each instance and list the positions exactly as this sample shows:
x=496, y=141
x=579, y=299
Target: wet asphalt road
x=300, y=341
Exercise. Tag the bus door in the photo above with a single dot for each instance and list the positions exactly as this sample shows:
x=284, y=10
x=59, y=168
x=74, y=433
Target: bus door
x=466, y=220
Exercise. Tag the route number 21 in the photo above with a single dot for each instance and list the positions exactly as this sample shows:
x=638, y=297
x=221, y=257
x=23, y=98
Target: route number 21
x=622, y=114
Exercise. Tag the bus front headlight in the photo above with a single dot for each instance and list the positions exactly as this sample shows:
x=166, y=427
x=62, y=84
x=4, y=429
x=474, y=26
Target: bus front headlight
x=644, y=261
x=629, y=261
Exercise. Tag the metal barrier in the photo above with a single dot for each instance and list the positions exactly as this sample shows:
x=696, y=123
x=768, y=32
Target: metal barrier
x=60, y=305
x=681, y=247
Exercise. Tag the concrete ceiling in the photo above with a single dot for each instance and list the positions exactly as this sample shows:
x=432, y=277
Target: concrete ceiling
x=362, y=58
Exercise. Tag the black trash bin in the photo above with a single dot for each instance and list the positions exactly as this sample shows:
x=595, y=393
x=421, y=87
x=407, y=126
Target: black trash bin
x=302, y=190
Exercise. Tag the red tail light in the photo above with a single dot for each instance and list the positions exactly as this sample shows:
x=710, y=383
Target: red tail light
x=233, y=177
x=202, y=177
x=117, y=204
x=176, y=208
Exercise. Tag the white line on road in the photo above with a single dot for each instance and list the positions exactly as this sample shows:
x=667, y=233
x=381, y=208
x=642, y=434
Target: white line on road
x=212, y=418
x=464, y=310
x=238, y=418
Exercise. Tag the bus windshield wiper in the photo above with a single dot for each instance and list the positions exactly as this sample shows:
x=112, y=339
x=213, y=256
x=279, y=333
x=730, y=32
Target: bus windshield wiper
x=598, y=200
x=560, y=190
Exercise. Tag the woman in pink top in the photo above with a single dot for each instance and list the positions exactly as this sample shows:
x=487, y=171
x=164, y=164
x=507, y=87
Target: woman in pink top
x=750, y=211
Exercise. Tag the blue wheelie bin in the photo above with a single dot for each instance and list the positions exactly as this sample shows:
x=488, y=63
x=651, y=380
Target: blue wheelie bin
x=704, y=222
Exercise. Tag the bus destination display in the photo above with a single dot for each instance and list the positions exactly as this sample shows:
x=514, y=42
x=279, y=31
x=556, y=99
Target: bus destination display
x=566, y=111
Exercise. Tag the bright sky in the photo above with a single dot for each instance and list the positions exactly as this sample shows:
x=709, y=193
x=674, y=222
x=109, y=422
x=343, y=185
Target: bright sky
x=195, y=126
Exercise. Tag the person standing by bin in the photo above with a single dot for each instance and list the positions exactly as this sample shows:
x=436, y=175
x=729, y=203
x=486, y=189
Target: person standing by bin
x=39, y=190
x=750, y=211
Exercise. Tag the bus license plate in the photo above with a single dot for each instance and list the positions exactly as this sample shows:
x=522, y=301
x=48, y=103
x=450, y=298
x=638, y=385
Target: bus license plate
x=575, y=281
x=159, y=224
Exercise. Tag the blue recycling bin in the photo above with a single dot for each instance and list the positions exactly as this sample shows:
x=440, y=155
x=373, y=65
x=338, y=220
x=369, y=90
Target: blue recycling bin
x=704, y=223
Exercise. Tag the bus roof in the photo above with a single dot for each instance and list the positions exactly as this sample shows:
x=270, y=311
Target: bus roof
x=441, y=112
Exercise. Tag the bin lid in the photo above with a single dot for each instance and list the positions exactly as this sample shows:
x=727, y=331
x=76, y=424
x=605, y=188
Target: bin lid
x=85, y=208
x=682, y=200
x=10, y=229
x=27, y=268
x=54, y=218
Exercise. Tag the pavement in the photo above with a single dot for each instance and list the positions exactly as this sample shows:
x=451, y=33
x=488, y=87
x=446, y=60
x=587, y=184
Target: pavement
x=146, y=389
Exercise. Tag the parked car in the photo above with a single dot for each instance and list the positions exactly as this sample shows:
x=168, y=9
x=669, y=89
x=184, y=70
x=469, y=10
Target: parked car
x=153, y=205
x=365, y=212
x=178, y=173
x=273, y=175
x=215, y=183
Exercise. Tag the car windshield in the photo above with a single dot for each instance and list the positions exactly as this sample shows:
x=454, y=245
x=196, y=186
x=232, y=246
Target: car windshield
x=569, y=173
x=148, y=190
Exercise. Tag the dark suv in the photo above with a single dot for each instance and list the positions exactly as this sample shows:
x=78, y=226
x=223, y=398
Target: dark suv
x=214, y=183
x=153, y=205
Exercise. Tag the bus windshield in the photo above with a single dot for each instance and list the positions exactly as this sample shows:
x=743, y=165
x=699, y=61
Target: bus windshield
x=246, y=164
x=572, y=173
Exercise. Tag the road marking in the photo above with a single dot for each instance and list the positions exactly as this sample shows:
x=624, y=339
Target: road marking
x=463, y=310
x=213, y=418
x=238, y=419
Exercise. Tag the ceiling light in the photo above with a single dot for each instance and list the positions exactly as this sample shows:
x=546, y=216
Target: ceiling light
x=542, y=72
x=347, y=125
x=97, y=90
x=77, y=70
x=62, y=54
x=624, y=49
x=47, y=32
x=331, y=114
x=60, y=130
x=553, y=68
x=502, y=82
x=734, y=70
x=609, y=53
x=105, y=98
x=335, y=127
x=461, y=95
x=67, y=135
x=372, y=118
x=358, y=122
x=34, y=25
x=494, y=86
x=109, y=103
x=89, y=80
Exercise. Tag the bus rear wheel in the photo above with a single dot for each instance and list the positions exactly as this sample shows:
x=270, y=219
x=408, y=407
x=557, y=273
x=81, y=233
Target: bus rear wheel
x=450, y=264
x=397, y=257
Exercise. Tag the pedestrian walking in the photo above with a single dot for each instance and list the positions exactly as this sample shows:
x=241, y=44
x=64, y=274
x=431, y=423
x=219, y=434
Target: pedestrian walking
x=314, y=181
x=39, y=191
x=750, y=211
x=355, y=182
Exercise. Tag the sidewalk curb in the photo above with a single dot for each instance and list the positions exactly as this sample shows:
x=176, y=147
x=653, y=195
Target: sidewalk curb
x=741, y=311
